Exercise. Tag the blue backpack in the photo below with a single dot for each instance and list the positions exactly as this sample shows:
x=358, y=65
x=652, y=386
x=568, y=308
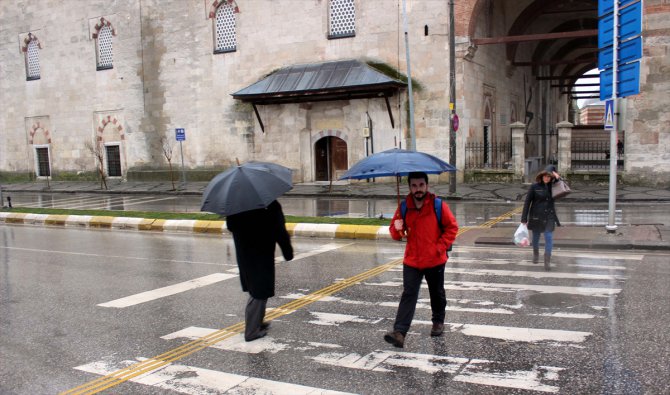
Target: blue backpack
x=438, y=210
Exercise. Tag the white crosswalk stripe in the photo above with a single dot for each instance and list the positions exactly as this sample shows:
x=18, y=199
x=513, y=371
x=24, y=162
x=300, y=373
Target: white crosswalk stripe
x=499, y=309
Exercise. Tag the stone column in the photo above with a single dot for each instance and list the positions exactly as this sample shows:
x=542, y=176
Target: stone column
x=564, y=147
x=518, y=150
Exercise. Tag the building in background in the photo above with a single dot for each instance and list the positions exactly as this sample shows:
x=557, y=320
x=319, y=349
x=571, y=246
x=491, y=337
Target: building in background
x=276, y=81
x=592, y=113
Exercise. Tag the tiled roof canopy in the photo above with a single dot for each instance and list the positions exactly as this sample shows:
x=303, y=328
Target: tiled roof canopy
x=340, y=80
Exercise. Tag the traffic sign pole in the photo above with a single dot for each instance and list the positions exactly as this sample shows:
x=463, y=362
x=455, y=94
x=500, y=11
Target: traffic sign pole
x=611, y=210
x=619, y=28
x=180, y=135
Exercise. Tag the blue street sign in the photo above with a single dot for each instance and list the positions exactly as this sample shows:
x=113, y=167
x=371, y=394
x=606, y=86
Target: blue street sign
x=180, y=134
x=628, y=82
x=607, y=6
x=606, y=31
x=628, y=51
x=630, y=21
x=628, y=44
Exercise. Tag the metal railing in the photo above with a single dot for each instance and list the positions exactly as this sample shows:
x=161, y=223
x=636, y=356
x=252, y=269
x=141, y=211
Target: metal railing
x=481, y=155
x=590, y=155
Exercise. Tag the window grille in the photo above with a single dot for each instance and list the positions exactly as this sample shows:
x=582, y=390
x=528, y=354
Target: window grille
x=113, y=160
x=226, y=40
x=105, y=54
x=33, y=61
x=43, y=168
x=342, y=19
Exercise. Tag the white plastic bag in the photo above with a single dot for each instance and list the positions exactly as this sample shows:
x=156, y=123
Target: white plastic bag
x=521, y=236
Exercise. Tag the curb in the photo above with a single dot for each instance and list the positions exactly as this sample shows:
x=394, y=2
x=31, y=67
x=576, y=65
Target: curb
x=333, y=231
x=308, y=230
x=582, y=244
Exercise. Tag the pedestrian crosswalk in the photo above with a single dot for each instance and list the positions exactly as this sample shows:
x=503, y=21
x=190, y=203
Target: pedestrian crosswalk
x=510, y=325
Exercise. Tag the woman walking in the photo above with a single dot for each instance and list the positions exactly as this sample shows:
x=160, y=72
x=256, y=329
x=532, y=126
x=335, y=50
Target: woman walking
x=539, y=213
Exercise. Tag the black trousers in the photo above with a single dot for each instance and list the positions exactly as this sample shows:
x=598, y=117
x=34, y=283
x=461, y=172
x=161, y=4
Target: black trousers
x=254, y=315
x=411, y=282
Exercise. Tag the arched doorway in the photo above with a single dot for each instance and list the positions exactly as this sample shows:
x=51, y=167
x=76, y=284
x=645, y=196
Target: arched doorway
x=330, y=158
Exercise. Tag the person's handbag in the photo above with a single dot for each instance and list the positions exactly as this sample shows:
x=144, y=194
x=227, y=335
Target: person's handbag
x=560, y=189
x=521, y=236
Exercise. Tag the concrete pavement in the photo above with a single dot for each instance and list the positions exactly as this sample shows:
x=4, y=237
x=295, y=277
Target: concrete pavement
x=655, y=236
x=591, y=192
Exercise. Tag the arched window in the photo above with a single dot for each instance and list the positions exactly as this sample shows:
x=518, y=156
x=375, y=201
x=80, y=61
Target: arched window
x=33, y=59
x=342, y=19
x=104, y=48
x=225, y=36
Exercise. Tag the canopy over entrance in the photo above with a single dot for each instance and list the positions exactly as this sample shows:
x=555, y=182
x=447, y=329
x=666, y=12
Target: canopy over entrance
x=339, y=80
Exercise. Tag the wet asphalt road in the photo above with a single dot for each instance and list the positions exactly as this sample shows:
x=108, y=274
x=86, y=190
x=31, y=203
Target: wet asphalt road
x=467, y=213
x=76, y=304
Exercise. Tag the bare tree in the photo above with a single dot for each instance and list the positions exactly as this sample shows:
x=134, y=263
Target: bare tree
x=96, y=150
x=166, y=145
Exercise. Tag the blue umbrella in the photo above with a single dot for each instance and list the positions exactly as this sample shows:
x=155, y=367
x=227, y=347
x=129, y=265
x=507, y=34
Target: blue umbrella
x=245, y=187
x=396, y=162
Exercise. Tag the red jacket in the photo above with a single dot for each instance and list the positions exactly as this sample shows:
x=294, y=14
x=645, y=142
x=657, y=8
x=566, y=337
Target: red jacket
x=426, y=247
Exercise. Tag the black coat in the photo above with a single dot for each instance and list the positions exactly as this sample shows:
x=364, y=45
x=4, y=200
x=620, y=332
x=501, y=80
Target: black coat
x=255, y=234
x=538, y=209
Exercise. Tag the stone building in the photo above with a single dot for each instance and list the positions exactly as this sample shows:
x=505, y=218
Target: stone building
x=592, y=114
x=85, y=79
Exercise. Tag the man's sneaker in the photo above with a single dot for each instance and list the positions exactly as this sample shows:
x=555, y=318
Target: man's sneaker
x=396, y=338
x=437, y=329
x=265, y=325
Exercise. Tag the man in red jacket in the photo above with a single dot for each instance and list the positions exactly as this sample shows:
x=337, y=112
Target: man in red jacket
x=425, y=255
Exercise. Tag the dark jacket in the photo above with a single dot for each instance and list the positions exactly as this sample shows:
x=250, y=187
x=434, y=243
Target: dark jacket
x=538, y=209
x=255, y=234
x=427, y=243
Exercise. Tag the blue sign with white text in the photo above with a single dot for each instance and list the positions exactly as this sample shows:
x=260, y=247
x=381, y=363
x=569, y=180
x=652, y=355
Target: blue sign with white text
x=629, y=51
x=180, y=134
x=628, y=44
x=628, y=81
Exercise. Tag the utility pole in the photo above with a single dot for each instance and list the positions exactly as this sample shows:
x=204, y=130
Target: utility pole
x=452, y=97
x=409, y=81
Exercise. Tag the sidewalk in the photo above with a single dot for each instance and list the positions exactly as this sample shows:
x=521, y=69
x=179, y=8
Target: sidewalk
x=587, y=192
x=644, y=237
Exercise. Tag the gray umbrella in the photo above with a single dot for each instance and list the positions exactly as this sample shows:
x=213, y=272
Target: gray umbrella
x=245, y=187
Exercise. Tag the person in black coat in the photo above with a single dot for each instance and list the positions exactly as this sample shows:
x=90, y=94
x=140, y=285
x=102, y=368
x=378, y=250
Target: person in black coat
x=255, y=233
x=540, y=215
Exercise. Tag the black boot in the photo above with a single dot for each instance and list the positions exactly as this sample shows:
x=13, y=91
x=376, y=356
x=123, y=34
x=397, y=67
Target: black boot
x=547, y=260
x=536, y=256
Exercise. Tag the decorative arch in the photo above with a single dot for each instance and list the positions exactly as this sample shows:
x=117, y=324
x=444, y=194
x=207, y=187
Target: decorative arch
x=104, y=122
x=98, y=26
x=34, y=129
x=326, y=133
x=217, y=3
x=30, y=37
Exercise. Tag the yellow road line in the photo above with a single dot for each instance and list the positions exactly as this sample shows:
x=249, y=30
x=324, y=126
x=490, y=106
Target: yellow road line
x=151, y=364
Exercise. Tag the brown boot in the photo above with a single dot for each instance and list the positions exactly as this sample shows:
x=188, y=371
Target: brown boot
x=547, y=260
x=396, y=338
x=437, y=329
x=536, y=256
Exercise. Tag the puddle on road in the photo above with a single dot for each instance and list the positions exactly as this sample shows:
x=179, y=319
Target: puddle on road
x=552, y=299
